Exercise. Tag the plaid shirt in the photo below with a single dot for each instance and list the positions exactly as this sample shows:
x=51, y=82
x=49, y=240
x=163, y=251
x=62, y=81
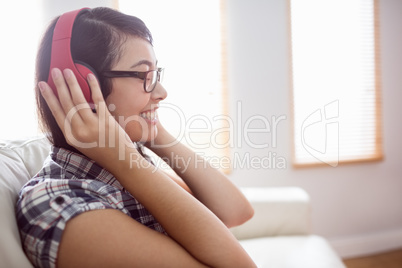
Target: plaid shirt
x=68, y=185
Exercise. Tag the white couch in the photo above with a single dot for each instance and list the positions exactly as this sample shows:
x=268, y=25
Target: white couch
x=277, y=236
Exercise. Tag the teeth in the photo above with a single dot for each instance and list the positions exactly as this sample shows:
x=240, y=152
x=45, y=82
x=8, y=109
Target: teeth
x=148, y=115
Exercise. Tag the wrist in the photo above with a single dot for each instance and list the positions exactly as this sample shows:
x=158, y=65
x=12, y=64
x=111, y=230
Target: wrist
x=162, y=140
x=121, y=159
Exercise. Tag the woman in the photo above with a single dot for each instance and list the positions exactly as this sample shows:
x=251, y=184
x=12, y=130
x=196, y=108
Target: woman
x=98, y=202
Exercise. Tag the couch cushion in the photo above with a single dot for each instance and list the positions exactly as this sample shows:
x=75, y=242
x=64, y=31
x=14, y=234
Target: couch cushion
x=308, y=251
x=277, y=211
x=19, y=161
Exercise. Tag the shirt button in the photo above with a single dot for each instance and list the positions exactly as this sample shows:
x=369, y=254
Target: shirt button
x=59, y=200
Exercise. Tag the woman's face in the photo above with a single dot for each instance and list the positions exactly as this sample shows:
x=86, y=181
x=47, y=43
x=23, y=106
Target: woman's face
x=133, y=108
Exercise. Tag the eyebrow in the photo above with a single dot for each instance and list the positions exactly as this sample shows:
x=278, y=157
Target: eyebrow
x=146, y=62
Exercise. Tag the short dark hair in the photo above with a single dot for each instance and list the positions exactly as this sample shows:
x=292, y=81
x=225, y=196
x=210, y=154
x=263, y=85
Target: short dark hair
x=97, y=37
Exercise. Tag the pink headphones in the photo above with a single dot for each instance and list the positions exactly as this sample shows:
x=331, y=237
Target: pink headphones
x=61, y=53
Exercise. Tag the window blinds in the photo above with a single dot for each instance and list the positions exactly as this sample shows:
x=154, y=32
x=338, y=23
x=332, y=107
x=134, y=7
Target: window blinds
x=336, y=81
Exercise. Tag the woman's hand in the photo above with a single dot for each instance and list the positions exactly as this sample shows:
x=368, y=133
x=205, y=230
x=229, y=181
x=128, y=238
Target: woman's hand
x=95, y=134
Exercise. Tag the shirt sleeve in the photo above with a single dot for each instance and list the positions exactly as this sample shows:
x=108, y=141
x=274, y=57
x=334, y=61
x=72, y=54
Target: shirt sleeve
x=44, y=209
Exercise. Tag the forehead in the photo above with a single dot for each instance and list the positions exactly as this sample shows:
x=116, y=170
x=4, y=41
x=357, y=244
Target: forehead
x=136, y=52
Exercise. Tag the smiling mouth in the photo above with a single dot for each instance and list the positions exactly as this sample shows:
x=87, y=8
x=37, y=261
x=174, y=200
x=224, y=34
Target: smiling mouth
x=150, y=115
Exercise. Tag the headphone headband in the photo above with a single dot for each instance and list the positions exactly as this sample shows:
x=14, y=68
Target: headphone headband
x=61, y=53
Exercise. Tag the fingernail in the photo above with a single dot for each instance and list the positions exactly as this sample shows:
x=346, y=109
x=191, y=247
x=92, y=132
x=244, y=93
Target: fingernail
x=91, y=77
x=55, y=73
x=67, y=73
x=42, y=86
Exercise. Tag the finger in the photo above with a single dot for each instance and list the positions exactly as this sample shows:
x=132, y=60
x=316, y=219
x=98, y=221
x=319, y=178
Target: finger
x=62, y=90
x=78, y=99
x=96, y=93
x=97, y=96
x=54, y=104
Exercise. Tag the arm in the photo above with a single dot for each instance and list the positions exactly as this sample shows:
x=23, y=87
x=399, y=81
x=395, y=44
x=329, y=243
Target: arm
x=110, y=238
x=189, y=223
x=208, y=184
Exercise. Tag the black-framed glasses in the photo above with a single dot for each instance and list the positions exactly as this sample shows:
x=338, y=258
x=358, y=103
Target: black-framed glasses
x=151, y=78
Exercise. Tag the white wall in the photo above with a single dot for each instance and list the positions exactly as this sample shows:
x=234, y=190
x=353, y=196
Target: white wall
x=358, y=207
x=53, y=8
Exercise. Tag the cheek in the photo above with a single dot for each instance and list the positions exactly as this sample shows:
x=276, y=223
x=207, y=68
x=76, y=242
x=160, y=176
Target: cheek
x=130, y=107
x=127, y=97
x=126, y=112
x=127, y=105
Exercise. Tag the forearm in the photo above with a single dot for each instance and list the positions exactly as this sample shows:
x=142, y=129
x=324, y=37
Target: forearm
x=184, y=218
x=208, y=184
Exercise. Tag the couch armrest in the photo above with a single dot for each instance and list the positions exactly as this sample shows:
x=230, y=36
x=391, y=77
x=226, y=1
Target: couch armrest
x=19, y=161
x=277, y=211
x=32, y=151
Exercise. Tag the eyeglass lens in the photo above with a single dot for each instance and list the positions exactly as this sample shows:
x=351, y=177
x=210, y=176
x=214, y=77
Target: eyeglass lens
x=151, y=80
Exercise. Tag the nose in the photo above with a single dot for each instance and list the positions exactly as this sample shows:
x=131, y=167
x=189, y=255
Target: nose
x=159, y=93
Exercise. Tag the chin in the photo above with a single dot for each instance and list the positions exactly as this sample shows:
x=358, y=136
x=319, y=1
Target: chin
x=149, y=136
x=152, y=134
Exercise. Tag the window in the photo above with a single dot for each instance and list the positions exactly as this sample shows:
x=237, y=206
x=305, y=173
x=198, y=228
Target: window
x=18, y=51
x=336, y=81
x=188, y=44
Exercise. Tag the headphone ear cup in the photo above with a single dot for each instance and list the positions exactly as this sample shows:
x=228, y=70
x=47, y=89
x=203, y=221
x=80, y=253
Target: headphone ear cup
x=83, y=70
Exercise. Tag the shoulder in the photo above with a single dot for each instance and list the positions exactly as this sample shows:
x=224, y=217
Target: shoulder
x=64, y=197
